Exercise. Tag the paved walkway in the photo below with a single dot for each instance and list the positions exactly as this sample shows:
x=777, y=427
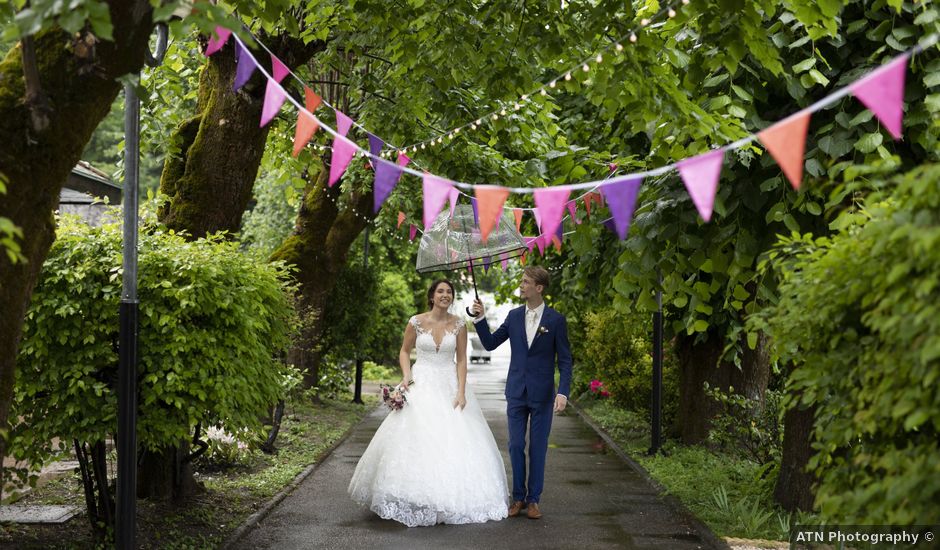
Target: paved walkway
x=592, y=498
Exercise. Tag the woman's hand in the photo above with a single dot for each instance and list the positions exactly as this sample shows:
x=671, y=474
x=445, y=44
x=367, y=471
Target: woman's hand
x=403, y=385
x=460, y=401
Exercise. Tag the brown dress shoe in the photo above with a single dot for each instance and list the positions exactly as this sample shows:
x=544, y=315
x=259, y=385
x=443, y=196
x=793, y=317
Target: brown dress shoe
x=533, y=512
x=515, y=508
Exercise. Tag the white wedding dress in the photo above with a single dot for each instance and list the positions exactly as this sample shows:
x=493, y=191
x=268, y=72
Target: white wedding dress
x=430, y=463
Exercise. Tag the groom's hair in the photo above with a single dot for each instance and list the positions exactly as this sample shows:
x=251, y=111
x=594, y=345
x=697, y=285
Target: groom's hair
x=539, y=276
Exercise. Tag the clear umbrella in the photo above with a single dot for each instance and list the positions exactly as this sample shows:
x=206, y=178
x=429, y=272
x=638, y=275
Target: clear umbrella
x=454, y=242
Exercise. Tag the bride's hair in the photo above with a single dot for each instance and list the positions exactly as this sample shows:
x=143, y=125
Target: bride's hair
x=433, y=289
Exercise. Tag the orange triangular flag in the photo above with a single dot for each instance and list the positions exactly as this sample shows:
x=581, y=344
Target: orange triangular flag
x=306, y=124
x=401, y=218
x=786, y=141
x=517, y=213
x=588, y=199
x=557, y=242
x=490, y=200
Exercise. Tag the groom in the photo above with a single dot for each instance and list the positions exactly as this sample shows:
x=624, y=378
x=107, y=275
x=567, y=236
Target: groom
x=538, y=335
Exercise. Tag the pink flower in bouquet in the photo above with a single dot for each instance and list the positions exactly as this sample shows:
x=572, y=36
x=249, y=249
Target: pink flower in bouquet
x=596, y=386
x=393, y=397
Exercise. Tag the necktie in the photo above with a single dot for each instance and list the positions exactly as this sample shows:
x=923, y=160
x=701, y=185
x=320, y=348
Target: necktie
x=531, y=315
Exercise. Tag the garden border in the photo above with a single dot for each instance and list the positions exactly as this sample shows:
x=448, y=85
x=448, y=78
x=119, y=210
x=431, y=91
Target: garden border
x=707, y=535
x=254, y=519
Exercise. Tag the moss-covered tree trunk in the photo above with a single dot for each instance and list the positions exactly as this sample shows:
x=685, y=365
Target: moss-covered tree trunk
x=318, y=248
x=699, y=363
x=209, y=182
x=77, y=75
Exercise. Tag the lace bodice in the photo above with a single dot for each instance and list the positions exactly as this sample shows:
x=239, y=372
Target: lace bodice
x=432, y=351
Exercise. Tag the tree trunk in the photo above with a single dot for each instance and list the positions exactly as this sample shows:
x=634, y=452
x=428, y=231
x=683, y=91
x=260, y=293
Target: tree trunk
x=210, y=180
x=318, y=248
x=78, y=78
x=699, y=363
x=166, y=474
x=794, y=488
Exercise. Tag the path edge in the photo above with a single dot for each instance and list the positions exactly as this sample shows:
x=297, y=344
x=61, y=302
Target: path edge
x=708, y=536
x=254, y=519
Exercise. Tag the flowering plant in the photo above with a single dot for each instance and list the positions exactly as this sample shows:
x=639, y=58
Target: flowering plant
x=393, y=397
x=597, y=388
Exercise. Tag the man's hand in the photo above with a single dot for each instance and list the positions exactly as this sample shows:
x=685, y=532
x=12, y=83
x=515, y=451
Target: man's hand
x=560, y=403
x=477, y=309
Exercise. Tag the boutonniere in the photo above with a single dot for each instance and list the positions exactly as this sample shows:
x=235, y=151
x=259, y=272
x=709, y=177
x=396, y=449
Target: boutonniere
x=543, y=330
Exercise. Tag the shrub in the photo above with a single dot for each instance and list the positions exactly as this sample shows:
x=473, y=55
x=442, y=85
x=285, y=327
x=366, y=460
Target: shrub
x=212, y=322
x=617, y=351
x=747, y=427
x=860, y=311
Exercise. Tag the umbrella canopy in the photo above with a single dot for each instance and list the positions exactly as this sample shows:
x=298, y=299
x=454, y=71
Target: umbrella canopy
x=454, y=241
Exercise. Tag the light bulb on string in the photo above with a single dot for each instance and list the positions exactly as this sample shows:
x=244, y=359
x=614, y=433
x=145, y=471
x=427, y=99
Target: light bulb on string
x=633, y=38
x=619, y=47
x=672, y=13
x=644, y=22
x=585, y=67
x=567, y=76
x=551, y=84
x=600, y=58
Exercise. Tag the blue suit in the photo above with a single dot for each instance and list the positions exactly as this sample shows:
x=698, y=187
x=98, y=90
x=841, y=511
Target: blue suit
x=530, y=390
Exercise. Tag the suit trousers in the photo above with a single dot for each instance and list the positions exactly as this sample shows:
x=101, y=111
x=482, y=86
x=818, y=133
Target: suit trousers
x=536, y=418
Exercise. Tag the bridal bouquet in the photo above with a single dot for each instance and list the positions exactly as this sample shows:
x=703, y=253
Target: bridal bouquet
x=393, y=397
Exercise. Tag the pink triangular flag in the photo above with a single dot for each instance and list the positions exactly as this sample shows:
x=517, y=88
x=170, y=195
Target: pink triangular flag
x=540, y=242
x=401, y=218
x=490, y=200
x=786, y=141
x=217, y=39
x=551, y=204
x=412, y=231
x=343, y=149
x=274, y=94
x=436, y=191
x=882, y=91
x=453, y=198
x=306, y=124
x=343, y=152
x=573, y=211
x=700, y=175
x=621, y=198
x=529, y=242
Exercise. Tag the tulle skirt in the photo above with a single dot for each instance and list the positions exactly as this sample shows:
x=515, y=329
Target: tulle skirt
x=429, y=463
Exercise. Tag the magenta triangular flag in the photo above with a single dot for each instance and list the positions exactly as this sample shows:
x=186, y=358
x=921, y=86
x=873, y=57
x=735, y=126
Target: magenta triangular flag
x=387, y=175
x=882, y=91
x=621, y=196
x=436, y=191
x=246, y=66
x=540, y=242
x=217, y=39
x=700, y=175
x=551, y=205
x=274, y=94
x=573, y=211
x=343, y=152
x=412, y=231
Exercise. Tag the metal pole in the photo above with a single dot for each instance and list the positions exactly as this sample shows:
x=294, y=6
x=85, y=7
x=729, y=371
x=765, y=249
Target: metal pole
x=357, y=395
x=126, y=519
x=656, y=407
x=127, y=374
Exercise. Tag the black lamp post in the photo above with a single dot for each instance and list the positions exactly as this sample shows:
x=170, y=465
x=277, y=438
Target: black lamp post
x=126, y=520
x=656, y=408
x=357, y=394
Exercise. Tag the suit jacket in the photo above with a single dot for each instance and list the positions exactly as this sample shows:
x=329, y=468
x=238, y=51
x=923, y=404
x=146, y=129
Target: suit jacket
x=532, y=369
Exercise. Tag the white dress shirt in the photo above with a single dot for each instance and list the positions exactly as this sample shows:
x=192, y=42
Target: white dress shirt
x=532, y=319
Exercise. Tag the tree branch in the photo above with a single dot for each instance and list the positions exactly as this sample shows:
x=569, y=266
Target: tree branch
x=36, y=100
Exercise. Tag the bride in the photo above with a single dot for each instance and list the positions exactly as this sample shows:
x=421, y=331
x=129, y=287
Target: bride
x=435, y=460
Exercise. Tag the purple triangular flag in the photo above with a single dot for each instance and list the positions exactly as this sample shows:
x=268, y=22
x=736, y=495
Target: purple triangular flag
x=217, y=39
x=436, y=191
x=882, y=91
x=246, y=66
x=476, y=212
x=486, y=264
x=700, y=175
x=387, y=175
x=375, y=144
x=620, y=195
x=609, y=224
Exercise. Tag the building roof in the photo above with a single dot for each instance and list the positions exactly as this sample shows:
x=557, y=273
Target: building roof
x=88, y=180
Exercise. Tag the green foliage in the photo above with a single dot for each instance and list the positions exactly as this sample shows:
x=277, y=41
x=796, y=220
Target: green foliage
x=859, y=313
x=747, y=427
x=9, y=233
x=212, y=322
x=34, y=15
x=381, y=373
x=616, y=350
x=271, y=219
